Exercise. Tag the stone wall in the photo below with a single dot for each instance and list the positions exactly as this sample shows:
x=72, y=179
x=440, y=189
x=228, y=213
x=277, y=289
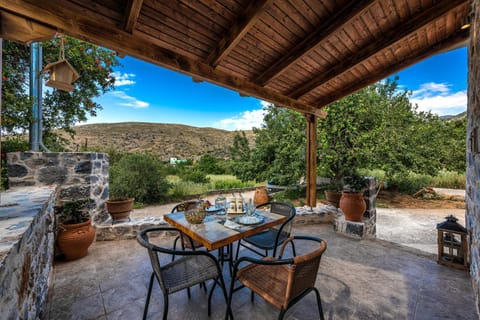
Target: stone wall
x=26, y=251
x=77, y=175
x=473, y=153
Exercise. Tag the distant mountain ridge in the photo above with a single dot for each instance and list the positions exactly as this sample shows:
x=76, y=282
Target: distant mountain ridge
x=459, y=116
x=164, y=140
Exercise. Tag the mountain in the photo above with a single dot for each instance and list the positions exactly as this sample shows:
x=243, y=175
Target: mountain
x=164, y=140
x=459, y=116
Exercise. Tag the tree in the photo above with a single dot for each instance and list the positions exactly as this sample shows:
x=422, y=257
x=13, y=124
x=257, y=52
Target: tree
x=61, y=110
x=279, y=153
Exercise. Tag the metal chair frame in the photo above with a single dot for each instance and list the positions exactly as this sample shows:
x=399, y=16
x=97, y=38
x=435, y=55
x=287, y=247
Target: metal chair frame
x=279, y=235
x=198, y=270
x=271, y=261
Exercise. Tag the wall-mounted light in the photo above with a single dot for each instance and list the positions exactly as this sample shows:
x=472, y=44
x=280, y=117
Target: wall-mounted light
x=466, y=22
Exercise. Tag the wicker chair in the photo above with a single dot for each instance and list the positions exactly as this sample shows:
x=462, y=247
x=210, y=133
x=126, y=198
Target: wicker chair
x=271, y=238
x=193, y=267
x=281, y=282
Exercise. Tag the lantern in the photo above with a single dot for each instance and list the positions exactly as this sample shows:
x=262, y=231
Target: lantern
x=452, y=244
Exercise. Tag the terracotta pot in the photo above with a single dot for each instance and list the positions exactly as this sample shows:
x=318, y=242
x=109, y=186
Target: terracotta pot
x=75, y=239
x=333, y=198
x=353, y=206
x=261, y=196
x=120, y=209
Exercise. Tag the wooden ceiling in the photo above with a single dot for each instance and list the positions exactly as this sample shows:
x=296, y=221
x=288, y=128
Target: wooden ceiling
x=299, y=54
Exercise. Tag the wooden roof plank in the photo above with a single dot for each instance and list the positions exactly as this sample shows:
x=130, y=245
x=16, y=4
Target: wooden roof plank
x=394, y=35
x=413, y=58
x=97, y=32
x=132, y=11
x=237, y=31
x=329, y=26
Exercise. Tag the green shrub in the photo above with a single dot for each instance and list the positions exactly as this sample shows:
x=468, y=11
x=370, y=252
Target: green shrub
x=138, y=175
x=194, y=175
x=449, y=179
x=409, y=182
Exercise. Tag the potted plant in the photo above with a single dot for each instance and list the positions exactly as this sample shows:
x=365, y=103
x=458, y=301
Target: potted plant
x=119, y=204
x=333, y=192
x=75, y=230
x=352, y=203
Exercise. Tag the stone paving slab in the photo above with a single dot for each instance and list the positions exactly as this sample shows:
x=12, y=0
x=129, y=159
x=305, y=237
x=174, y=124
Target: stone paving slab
x=358, y=279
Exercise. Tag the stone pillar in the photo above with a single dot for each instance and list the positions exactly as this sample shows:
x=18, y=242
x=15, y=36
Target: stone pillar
x=367, y=229
x=77, y=175
x=472, y=194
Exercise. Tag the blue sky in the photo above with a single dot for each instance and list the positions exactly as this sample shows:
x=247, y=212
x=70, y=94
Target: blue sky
x=148, y=93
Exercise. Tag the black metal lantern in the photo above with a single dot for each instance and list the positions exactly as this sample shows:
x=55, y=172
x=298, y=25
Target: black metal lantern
x=452, y=244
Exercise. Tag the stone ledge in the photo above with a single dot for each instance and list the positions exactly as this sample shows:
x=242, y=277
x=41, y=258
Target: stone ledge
x=321, y=214
x=125, y=230
x=354, y=230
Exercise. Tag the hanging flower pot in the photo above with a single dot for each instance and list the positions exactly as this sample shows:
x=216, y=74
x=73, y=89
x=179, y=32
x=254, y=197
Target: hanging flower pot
x=353, y=206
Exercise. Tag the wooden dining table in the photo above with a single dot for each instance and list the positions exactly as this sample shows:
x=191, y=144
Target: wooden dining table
x=214, y=235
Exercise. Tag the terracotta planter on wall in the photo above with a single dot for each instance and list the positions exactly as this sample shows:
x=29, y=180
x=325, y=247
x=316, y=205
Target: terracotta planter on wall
x=75, y=239
x=261, y=196
x=120, y=209
x=353, y=206
x=333, y=198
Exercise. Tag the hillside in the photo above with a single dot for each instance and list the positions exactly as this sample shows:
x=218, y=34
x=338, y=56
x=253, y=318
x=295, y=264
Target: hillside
x=164, y=140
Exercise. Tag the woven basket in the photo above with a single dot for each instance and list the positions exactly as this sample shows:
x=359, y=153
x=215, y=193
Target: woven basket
x=195, y=216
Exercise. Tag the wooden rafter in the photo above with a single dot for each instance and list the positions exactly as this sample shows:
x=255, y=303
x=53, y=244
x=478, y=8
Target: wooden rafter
x=461, y=37
x=329, y=26
x=132, y=11
x=394, y=35
x=237, y=31
x=97, y=32
x=23, y=30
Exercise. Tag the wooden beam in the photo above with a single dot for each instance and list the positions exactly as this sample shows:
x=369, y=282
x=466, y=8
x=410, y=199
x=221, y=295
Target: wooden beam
x=394, y=35
x=237, y=31
x=114, y=38
x=19, y=29
x=132, y=11
x=447, y=44
x=311, y=159
x=329, y=26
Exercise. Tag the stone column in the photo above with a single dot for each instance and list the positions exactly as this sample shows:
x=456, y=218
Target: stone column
x=472, y=194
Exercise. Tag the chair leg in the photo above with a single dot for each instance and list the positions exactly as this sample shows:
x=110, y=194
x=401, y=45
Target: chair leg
x=175, y=246
x=293, y=248
x=210, y=298
x=282, y=314
x=319, y=303
x=238, y=249
x=189, y=294
x=252, y=296
x=165, y=306
x=150, y=285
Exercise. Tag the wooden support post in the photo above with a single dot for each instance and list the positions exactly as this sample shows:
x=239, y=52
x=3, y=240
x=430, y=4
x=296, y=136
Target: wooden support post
x=311, y=159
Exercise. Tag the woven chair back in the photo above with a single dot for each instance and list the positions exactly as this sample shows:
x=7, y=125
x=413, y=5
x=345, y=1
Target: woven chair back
x=303, y=272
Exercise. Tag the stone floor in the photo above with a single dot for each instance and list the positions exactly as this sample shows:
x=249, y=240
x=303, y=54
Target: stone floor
x=367, y=279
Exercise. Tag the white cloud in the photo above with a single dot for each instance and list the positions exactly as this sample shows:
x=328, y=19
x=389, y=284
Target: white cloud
x=438, y=98
x=123, y=79
x=245, y=121
x=124, y=100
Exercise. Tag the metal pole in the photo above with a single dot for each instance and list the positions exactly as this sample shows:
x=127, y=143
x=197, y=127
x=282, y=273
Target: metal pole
x=36, y=94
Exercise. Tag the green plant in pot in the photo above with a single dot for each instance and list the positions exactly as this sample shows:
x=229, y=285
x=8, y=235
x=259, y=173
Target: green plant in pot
x=119, y=204
x=75, y=230
x=352, y=202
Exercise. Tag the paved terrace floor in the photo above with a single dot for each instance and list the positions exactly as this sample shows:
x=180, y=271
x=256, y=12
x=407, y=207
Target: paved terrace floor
x=368, y=279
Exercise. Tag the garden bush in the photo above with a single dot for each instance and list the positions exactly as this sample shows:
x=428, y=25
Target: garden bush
x=139, y=175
